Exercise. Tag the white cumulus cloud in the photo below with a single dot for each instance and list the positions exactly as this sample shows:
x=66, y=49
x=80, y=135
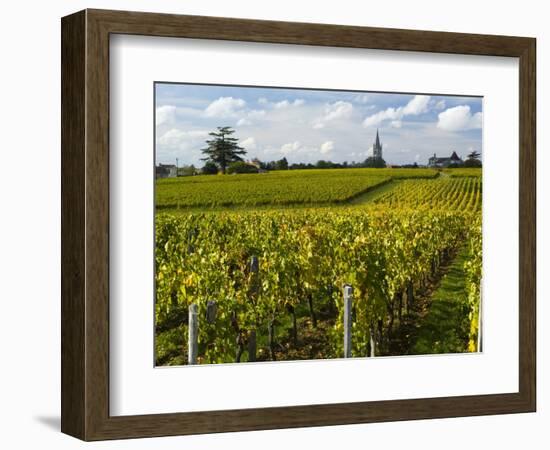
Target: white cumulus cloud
x=303, y=152
x=338, y=110
x=362, y=98
x=248, y=117
x=248, y=143
x=244, y=122
x=256, y=114
x=327, y=147
x=459, y=118
x=286, y=104
x=182, y=139
x=380, y=116
x=224, y=107
x=165, y=114
x=291, y=147
x=282, y=104
x=334, y=111
x=417, y=105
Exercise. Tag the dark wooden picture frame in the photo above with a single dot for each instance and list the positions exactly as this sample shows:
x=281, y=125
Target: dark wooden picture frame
x=85, y=224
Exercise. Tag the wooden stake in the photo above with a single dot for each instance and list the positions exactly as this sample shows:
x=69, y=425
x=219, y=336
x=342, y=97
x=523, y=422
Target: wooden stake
x=252, y=346
x=348, y=300
x=271, y=338
x=193, y=343
x=254, y=264
x=211, y=311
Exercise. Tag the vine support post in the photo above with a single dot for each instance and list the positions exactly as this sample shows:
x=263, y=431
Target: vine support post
x=193, y=338
x=252, y=346
x=294, y=334
x=372, y=341
x=211, y=311
x=240, y=348
x=254, y=264
x=254, y=269
x=400, y=306
x=271, y=338
x=410, y=295
x=348, y=304
x=312, y=310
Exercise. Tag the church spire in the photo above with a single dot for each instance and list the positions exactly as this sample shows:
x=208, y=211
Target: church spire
x=377, y=147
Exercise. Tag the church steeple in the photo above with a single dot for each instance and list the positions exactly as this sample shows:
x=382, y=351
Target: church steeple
x=377, y=147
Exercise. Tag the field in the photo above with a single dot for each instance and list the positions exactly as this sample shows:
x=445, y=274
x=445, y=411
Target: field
x=451, y=194
x=276, y=188
x=269, y=280
x=463, y=172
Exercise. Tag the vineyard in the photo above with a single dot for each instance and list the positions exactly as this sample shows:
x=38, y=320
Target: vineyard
x=276, y=188
x=463, y=172
x=270, y=284
x=451, y=194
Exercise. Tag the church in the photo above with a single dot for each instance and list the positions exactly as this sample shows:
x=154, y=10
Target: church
x=377, y=147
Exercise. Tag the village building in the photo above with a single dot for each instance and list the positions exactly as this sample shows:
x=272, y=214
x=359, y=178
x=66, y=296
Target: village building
x=166, y=171
x=255, y=162
x=452, y=161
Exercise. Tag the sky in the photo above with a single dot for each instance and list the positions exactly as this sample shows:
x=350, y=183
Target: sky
x=309, y=125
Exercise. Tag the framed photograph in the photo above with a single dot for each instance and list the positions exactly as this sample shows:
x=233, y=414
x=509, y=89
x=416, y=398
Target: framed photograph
x=273, y=225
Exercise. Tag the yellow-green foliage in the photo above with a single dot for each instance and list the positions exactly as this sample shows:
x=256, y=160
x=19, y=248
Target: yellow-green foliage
x=201, y=257
x=464, y=172
x=455, y=194
x=379, y=248
x=473, y=268
x=276, y=188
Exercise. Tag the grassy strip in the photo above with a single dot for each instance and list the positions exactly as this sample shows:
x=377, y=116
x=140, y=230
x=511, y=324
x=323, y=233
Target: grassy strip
x=445, y=327
x=376, y=192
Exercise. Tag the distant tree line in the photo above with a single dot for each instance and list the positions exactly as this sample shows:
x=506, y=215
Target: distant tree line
x=256, y=166
x=282, y=164
x=224, y=155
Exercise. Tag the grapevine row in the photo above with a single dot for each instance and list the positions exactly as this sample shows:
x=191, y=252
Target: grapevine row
x=304, y=257
x=452, y=194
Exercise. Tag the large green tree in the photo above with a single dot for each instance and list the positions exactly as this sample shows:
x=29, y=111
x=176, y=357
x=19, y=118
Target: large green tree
x=473, y=160
x=223, y=149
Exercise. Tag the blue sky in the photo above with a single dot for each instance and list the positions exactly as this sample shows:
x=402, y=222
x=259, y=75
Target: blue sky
x=309, y=125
